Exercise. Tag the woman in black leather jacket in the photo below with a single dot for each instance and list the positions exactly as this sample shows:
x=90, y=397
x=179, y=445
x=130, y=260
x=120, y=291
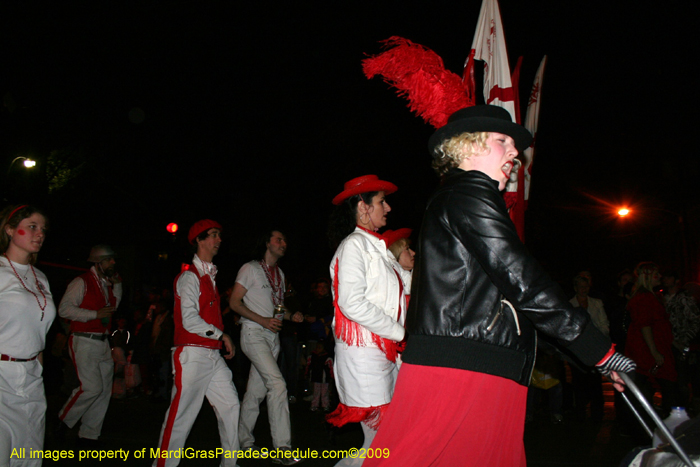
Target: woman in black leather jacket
x=478, y=302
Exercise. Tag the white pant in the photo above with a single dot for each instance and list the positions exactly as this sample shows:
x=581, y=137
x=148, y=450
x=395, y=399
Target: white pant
x=199, y=372
x=22, y=412
x=262, y=348
x=358, y=461
x=89, y=401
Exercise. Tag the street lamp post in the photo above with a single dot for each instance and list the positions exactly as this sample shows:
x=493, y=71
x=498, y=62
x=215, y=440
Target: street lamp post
x=28, y=163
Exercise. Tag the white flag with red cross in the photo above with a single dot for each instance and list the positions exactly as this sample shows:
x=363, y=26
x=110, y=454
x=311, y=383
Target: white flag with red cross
x=532, y=118
x=489, y=45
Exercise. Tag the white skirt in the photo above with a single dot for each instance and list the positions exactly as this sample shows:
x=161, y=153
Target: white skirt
x=363, y=375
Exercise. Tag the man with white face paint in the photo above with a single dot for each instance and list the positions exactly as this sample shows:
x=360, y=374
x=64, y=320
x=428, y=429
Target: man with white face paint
x=89, y=303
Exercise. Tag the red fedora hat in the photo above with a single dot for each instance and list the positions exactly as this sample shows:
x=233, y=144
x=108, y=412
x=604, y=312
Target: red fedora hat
x=364, y=184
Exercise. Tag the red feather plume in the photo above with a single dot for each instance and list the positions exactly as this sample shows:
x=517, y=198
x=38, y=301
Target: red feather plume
x=419, y=75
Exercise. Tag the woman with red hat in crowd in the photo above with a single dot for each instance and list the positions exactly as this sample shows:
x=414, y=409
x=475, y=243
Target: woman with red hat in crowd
x=26, y=313
x=370, y=306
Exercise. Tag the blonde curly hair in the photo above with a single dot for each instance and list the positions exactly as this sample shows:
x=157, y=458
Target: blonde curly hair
x=451, y=152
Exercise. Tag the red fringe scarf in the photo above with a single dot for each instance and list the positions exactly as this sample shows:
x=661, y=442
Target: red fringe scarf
x=371, y=416
x=350, y=332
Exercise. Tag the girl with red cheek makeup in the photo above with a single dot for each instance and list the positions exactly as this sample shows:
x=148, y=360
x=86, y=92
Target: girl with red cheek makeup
x=26, y=313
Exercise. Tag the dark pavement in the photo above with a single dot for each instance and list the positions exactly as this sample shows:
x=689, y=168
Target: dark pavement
x=134, y=424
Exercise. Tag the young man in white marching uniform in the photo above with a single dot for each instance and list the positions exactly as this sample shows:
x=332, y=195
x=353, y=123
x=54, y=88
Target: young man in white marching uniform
x=198, y=368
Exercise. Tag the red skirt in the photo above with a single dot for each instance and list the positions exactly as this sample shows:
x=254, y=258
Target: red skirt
x=448, y=417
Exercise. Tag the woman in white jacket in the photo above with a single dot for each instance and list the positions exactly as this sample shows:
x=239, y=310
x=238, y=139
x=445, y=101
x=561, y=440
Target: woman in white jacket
x=370, y=307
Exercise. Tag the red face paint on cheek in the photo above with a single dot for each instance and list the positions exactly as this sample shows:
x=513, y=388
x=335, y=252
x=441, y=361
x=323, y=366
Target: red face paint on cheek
x=21, y=232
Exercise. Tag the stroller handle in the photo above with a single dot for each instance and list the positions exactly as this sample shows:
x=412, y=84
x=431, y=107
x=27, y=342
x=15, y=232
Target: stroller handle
x=652, y=413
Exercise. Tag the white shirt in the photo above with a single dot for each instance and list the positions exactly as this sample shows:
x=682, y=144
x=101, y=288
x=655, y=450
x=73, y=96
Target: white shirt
x=22, y=329
x=187, y=288
x=597, y=312
x=258, y=297
x=69, y=307
x=406, y=276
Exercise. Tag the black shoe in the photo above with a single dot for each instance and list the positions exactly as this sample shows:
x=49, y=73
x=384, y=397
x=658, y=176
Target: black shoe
x=284, y=460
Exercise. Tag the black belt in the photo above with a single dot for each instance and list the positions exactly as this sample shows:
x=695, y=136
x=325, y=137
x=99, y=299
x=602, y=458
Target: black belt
x=91, y=335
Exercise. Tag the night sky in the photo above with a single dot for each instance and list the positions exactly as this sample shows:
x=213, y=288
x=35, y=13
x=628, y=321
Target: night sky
x=255, y=114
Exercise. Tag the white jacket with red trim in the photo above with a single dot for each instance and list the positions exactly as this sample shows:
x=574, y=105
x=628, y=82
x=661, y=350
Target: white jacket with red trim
x=367, y=289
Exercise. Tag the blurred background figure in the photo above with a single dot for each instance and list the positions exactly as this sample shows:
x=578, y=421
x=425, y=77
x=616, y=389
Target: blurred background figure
x=162, y=335
x=684, y=315
x=120, y=341
x=399, y=244
x=319, y=368
x=650, y=337
x=290, y=354
x=546, y=383
x=588, y=383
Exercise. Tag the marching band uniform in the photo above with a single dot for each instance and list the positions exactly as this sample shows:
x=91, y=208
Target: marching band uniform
x=90, y=351
x=198, y=367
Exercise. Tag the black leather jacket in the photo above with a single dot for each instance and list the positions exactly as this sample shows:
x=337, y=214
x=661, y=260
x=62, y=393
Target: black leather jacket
x=471, y=259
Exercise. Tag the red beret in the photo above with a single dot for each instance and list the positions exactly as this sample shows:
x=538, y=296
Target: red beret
x=202, y=226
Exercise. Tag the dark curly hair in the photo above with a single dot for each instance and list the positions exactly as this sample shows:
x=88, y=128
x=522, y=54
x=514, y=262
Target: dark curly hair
x=344, y=217
x=261, y=244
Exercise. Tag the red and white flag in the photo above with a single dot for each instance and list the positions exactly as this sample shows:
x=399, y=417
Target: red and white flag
x=532, y=118
x=489, y=45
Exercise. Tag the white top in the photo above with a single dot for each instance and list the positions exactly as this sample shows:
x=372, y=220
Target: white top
x=597, y=312
x=187, y=288
x=22, y=330
x=406, y=276
x=259, y=295
x=69, y=307
x=368, y=286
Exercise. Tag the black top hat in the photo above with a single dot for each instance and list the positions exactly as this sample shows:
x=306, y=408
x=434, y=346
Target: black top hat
x=481, y=118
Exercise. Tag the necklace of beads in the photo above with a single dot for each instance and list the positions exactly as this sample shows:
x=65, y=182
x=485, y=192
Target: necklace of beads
x=277, y=292
x=38, y=286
